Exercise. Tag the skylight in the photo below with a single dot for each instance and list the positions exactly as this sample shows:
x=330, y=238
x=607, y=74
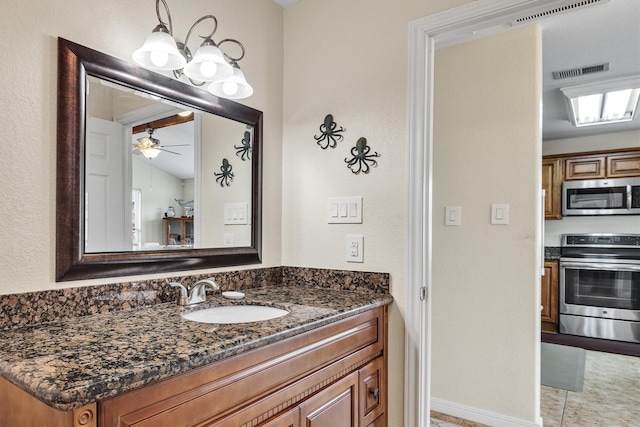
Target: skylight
x=611, y=101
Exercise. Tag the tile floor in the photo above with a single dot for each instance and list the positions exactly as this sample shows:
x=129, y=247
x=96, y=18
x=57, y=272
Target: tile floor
x=610, y=398
x=611, y=395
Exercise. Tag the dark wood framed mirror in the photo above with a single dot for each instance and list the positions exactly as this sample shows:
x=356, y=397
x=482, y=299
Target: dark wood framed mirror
x=76, y=65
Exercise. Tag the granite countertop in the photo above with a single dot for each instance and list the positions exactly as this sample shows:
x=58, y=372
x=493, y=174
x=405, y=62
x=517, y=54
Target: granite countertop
x=552, y=252
x=72, y=363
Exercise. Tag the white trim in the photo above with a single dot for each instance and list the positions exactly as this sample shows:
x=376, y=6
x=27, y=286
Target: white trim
x=424, y=33
x=480, y=415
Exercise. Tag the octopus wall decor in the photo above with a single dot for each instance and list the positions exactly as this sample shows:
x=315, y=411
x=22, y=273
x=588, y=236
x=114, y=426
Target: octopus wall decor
x=361, y=160
x=245, y=149
x=330, y=133
x=225, y=176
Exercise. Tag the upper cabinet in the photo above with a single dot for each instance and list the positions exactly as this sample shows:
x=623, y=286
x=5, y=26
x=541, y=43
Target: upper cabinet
x=552, y=184
x=612, y=164
x=623, y=165
x=585, y=167
x=588, y=165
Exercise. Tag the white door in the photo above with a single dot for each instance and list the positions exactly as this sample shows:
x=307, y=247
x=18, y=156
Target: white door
x=106, y=200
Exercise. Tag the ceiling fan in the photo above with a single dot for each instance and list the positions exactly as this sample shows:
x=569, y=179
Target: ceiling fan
x=150, y=147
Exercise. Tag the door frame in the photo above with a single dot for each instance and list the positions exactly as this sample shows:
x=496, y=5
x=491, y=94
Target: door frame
x=444, y=28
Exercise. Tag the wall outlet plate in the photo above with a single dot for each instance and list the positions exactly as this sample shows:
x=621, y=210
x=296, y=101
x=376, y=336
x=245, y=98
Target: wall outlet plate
x=354, y=248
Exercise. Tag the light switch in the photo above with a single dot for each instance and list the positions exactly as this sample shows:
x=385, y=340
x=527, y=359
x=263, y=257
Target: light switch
x=452, y=215
x=344, y=210
x=236, y=213
x=499, y=213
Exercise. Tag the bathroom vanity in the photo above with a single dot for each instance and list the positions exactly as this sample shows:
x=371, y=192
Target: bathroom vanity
x=322, y=364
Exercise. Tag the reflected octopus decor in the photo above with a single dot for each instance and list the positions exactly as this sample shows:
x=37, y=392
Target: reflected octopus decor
x=330, y=133
x=244, y=150
x=361, y=160
x=225, y=176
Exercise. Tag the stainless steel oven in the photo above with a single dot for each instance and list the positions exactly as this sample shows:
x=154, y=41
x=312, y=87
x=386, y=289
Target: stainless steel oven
x=600, y=286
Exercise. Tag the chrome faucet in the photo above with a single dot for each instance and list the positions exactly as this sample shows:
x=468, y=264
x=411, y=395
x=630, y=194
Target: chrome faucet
x=196, y=294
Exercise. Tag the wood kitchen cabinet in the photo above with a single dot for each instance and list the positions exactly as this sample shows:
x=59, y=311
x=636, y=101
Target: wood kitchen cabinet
x=623, y=165
x=585, y=167
x=552, y=173
x=550, y=296
x=605, y=164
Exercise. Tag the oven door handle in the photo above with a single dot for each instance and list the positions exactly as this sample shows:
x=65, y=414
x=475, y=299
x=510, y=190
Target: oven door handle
x=600, y=265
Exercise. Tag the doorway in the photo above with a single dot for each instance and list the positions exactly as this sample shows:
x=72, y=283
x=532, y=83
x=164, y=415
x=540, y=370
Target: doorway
x=425, y=35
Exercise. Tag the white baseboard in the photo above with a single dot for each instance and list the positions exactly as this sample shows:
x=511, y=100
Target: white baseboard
x=479, y=415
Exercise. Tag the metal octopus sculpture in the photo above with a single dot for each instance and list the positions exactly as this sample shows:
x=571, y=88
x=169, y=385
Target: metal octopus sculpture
x=225, y=176
x=361, y=160
x=245, y=149
x=330, y=133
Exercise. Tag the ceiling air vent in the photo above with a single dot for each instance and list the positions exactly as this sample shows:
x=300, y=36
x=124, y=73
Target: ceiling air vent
x=556, y=10
x=576, y=72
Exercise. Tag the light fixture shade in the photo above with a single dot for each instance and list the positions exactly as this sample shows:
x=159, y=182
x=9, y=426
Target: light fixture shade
x=207, y=65
x=604, y=102
x=234, y=87
x=159, y=52
x=150, y=152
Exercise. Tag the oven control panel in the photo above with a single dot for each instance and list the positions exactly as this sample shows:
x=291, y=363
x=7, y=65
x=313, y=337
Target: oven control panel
x=602, y=240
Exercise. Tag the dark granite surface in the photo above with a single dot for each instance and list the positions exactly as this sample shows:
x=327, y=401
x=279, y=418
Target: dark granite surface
x=552, y=252
x=70, y=363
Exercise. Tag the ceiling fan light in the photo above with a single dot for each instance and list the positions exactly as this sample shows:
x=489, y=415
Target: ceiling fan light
x=234, y=87
x=150, y=152
x=159, y=52
x=208, y=64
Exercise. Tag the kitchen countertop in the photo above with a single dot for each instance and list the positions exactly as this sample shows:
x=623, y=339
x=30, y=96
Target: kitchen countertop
x=72, y=363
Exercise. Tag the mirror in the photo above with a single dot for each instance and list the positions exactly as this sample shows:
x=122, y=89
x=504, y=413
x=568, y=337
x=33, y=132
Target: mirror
x=119, y=222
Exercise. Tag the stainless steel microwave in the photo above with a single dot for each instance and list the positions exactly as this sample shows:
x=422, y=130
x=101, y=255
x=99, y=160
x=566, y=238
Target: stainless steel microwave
x=620, y=196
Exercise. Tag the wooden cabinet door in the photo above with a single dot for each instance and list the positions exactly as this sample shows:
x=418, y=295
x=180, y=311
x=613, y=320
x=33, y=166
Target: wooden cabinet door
x=623, y=165
x=585, y=167
x=336, y=406
x=552, y=184
x=288, y=419
x=549, y=297
x=371, y=391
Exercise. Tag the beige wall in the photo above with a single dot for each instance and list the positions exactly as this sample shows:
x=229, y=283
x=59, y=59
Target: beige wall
x=349, y=59
x=28, y=119
x=487, y=149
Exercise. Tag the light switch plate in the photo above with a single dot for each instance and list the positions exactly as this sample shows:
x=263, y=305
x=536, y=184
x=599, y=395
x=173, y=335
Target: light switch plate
x=344, y=210
x=499, y=213
x=236, y=213
x=452, y=215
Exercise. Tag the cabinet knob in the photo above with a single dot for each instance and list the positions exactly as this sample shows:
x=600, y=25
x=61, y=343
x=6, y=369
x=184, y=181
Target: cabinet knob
x=375, y=393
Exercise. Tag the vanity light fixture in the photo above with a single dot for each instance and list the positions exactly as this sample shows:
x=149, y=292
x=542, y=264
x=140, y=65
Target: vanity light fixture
x=161, y=51
x=604, y=102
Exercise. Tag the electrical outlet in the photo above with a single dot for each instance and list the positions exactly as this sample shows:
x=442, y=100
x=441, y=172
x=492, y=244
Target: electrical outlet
x=354, y=246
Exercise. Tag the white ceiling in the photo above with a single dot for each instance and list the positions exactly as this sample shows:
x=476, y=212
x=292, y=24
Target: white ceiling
x=596, y=34
x=608, y=32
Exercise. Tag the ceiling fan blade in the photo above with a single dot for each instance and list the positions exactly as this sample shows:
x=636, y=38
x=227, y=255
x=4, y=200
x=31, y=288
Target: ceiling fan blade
x=168, y=151
x=176, y=145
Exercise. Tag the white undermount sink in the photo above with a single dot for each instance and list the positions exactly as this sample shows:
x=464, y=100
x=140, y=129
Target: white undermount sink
x=235, y=314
